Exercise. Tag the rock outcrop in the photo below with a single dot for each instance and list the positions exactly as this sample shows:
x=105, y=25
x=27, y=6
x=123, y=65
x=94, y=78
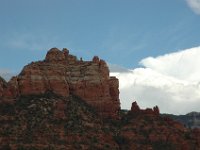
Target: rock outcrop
x=145, y=129
x=63, y=74
x=148, y=111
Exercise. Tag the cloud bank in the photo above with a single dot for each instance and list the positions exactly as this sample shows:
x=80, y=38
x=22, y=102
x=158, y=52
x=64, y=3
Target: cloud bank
x=194, y=5
x=171, y=81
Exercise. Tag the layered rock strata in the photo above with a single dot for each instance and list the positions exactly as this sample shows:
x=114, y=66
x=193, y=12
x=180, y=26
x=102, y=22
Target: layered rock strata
x=63, y=74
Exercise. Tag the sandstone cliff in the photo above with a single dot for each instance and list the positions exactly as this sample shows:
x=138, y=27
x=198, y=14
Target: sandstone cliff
x=63, y=74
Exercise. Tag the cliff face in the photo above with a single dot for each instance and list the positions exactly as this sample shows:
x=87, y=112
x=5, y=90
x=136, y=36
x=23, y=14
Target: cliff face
x=63, y=74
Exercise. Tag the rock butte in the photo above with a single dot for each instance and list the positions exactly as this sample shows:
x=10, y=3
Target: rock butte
x=63, y=74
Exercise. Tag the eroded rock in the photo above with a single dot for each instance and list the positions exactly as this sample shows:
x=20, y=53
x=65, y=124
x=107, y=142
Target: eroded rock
x=63, y=74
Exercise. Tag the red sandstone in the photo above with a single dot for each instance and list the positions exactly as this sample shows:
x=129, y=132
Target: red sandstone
x=63, y=74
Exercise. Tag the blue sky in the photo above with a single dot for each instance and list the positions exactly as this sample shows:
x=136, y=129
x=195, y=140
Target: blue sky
x=120, y=31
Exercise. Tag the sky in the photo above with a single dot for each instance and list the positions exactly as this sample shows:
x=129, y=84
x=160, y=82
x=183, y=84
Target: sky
x=139, y=38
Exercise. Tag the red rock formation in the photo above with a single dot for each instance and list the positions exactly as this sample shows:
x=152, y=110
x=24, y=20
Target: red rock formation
x=149, y=111
x=11, y=90
x=63, y=74
x=135, y=107
x=55, y=55
x=146, y=129
x=156, y=110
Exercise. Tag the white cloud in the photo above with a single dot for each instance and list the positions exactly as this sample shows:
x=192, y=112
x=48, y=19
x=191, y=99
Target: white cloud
x=183, y=65
x=171, y=81
x=194, y=5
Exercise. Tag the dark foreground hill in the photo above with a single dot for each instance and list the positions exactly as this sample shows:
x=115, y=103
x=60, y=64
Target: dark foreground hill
x=62, y=103
x=52, y=122
x=48, y=121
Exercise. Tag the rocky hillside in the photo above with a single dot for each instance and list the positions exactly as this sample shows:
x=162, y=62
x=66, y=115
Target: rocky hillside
x=147, y=129
x=62, y=103
x=49, y=121
x=52, y=122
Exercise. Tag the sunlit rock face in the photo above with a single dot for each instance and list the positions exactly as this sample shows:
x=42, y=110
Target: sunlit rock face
x=63, y=74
